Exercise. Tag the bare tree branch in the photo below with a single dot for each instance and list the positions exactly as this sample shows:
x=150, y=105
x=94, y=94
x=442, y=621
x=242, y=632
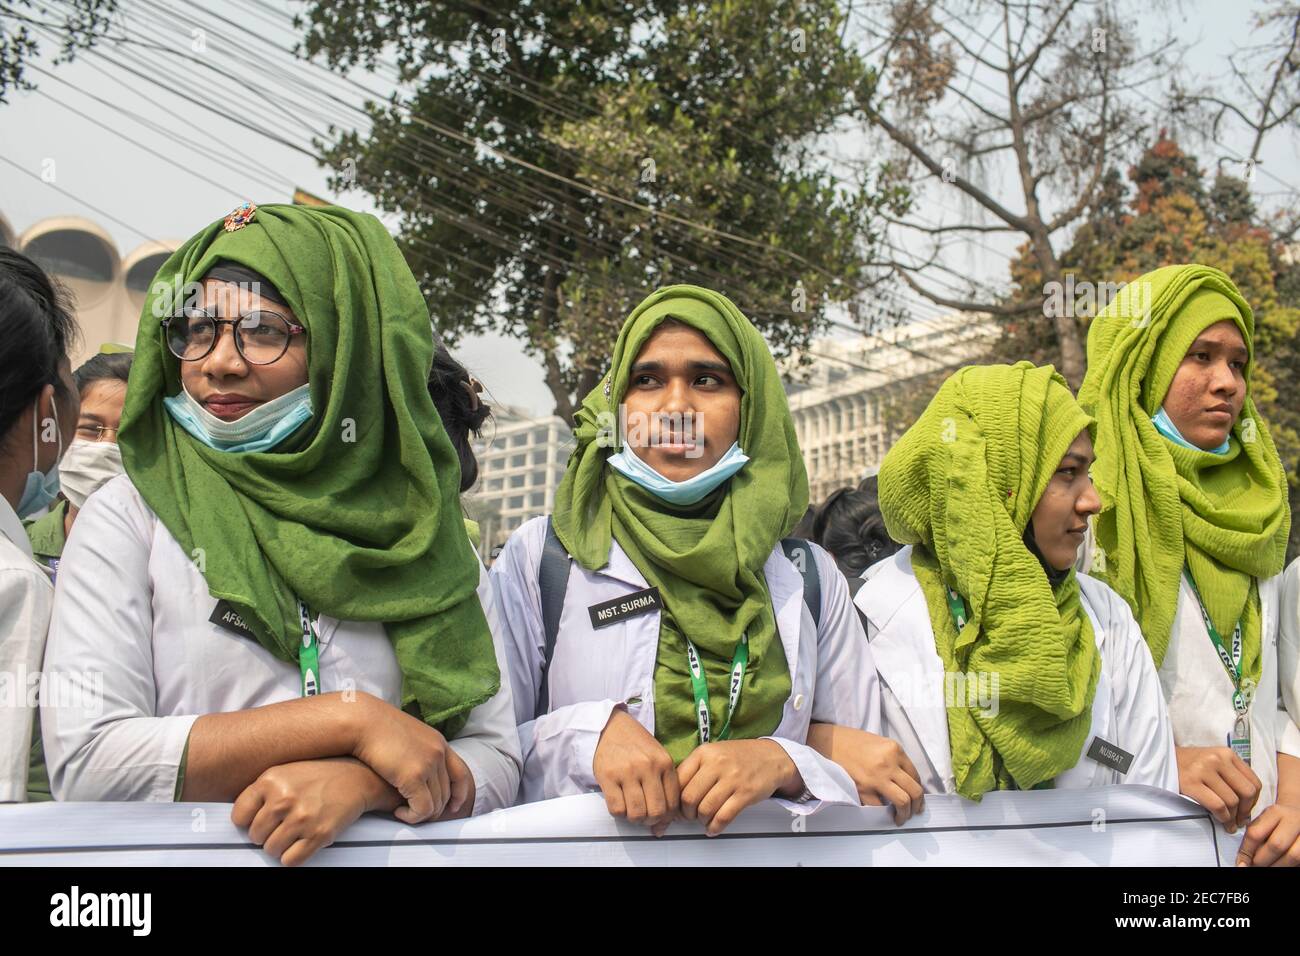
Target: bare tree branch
x=966, y=305
x=1028, y=65
x=926, y=160
x=936, y=230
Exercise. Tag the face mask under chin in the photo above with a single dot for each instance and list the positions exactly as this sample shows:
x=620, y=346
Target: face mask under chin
x=260, y=429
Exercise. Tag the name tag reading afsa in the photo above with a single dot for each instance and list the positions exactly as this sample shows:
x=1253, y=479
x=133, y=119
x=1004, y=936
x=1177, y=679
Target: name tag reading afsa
x=225, y=616
x=630, y=605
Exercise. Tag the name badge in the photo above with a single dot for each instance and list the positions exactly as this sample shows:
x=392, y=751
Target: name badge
x=1108, y=755
x=225, y=616
x=631, y=605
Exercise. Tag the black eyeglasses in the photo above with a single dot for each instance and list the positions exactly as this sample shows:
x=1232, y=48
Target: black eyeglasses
x=261, y=337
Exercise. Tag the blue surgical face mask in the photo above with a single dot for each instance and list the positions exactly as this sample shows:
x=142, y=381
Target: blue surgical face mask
x=42, y=487
x=1165, y=426
x=686, y=492
x=264, y=427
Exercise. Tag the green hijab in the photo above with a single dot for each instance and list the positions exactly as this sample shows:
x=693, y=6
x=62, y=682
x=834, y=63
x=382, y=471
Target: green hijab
x=961, y=486
x=706, y=559
x=46, y=533
x=1224, y=517
x=357, y=512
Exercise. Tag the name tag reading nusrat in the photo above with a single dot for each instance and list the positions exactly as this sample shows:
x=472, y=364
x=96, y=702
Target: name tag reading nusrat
x=630, y=605
x=1108, y=755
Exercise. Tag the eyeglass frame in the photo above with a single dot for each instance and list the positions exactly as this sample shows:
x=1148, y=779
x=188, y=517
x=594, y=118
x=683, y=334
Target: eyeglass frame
x=294, y=329
x=100, y=429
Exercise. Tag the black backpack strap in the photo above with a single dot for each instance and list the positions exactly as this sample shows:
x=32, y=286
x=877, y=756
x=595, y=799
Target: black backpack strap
x=855, y=585
x=552, y=582
x=801, y=556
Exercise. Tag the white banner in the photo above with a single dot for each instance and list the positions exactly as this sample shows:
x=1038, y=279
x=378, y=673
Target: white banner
x=1110, y=826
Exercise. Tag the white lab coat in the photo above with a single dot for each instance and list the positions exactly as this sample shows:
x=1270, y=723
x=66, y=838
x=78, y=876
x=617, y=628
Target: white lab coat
x=593, y=671
x=1198, y=690
x=26, y=598
x=131, y=613
x=1127, y=710
x=1288, y=660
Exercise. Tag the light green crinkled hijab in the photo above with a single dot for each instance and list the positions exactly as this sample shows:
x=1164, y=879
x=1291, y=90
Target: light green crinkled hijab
x=961, y=486
x=706, y=559
x=356, y=513
x=1164, y=506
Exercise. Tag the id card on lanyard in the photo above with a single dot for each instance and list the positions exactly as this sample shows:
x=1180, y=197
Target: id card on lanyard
x=1239, y=738
x=308, y=654
x=700, y=687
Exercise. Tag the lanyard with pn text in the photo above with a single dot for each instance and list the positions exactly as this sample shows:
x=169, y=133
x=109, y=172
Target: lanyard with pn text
x=700, y=687
x=308, y=656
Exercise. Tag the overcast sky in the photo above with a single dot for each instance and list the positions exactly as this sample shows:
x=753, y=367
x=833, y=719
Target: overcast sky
x=157, y=188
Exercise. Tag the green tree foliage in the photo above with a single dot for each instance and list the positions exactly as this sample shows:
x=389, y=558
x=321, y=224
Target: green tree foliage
x=557, y=160
x=79, y=22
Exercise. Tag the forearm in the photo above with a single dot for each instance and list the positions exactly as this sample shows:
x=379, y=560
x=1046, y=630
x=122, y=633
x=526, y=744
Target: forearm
x=1288, y=780
x=381, y=797
x=792, y=788
x=821, y=738
x=228, y=751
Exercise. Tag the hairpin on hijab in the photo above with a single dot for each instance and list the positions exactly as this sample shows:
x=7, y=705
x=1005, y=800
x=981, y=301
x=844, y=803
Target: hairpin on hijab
x=240, y=216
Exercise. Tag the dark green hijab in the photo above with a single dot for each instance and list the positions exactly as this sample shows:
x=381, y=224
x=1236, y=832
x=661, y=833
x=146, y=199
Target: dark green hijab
x=706, y=559
x=357, y=512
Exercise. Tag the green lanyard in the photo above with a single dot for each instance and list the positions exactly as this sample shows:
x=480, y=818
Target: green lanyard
x=700, y=687
x=308, y=655
x=1239, y=739
x=957, y=606
x=1231, y=661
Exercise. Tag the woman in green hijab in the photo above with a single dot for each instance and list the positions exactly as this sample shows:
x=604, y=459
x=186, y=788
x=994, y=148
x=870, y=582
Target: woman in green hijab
x=278, y=604
x=1002, y=667
x=674, y=662
x=1193, y=533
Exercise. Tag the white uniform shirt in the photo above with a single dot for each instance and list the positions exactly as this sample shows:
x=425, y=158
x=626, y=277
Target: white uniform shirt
x=131, y=624
x=1199, y=692
x=26, y=597
x=832, y=677
x=1288, y=659
x=1128, y=710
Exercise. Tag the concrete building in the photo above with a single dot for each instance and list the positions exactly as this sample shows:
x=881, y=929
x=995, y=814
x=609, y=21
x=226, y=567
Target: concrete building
x=108, y=288
x=845, y=407
x=521, y=462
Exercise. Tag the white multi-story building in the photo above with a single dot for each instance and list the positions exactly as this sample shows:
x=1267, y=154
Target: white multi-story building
x=845, y=406
x=521, y=461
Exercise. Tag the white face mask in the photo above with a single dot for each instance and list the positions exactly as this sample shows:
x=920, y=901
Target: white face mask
x=258, y=430
x=628, y=463
x=87, y=466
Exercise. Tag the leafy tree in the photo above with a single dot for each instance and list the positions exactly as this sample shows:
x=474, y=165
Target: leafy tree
x=558, y=159
x=80, y=22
